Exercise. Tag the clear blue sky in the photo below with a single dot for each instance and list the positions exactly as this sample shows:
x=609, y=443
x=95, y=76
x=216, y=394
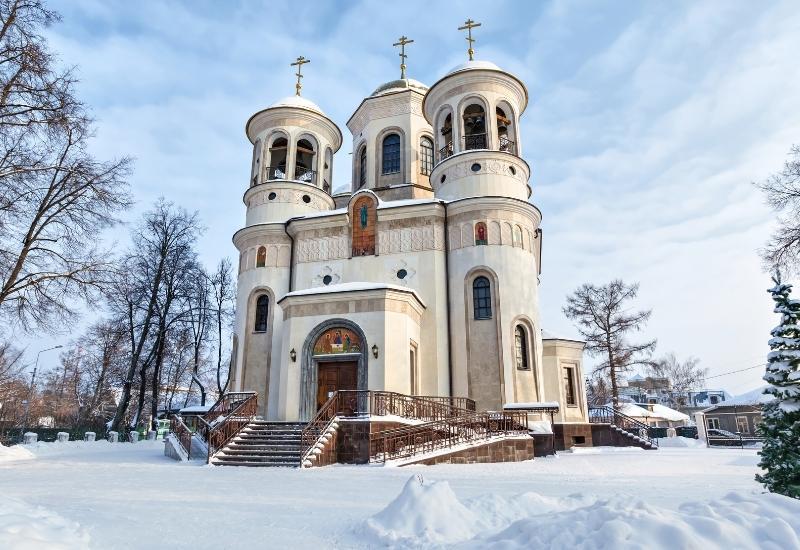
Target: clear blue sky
x=647, y=125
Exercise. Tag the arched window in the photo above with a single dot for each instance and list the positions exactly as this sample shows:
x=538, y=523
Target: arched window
x=261, y=256
x=327, y=178
x=276, y=168
x=425, y=156
x=521, y=347
x=505, y=130
x=480, y=234
x=304, y=163
x=446, y=132
x=474, y=127
x=391, y=154
x=254, y=171
x=262, y=313
x=482, y=298
x=362, y=168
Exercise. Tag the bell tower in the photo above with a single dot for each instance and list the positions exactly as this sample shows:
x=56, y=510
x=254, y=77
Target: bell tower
x=474, y=111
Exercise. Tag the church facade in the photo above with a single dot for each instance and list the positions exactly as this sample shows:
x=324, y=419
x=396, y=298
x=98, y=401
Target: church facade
x=423, y=279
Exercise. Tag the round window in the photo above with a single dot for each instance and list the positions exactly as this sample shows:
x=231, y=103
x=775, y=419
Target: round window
x=402, y=274
x=444, y=177
x=326, y=280
x=272, y=196
x=512, y=170
x=306, y=199
x=475, y=167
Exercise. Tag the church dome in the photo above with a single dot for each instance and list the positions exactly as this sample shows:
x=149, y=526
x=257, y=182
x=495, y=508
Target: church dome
x=473, y=65
x=398, y=85
x=297, y=101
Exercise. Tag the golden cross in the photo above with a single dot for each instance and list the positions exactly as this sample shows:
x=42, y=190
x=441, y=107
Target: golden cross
x=402, y=41
x=299, y=63
x=469, y=24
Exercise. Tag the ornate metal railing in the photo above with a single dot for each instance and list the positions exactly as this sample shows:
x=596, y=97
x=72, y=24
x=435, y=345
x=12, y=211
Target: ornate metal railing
x=444, y=434
x=276, y=172
x=475, y=141
x=610, y=415
x=226, y=404
x=182, y=433
x=507, y=145
x=446, y=151
x=305, y=174
x=219, y=431
x=352, y=403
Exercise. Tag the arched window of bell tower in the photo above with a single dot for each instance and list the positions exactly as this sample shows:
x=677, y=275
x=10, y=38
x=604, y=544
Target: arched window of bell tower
x=327, y=177
x=390, y=154
x=276, y=161
x=474, y=120
x=444, y=134
x=362, y=167
x=425, y=156
x=506, y=130
x=304, y=161
x=255, y=170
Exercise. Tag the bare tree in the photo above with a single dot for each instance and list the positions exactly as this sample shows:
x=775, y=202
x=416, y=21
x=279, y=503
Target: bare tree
x=163, y=230
x=782, y=192
x=55, y=198
x=223, y=288
x=683, y=376
x=604, y=321
x=197, y=304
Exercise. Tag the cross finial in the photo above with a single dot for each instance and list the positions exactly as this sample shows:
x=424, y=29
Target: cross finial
x=469, y=24
x=299, y=74
x=402, y=41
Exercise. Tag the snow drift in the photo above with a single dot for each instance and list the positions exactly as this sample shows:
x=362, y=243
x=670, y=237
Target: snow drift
x=26, y=527
x=429, y=513
x=16, y=452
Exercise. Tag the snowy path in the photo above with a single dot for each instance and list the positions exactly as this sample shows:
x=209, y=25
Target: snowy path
x=131, y=496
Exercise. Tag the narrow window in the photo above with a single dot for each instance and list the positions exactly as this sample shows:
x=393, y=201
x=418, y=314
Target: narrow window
x=425, y=156
x=412, y=365
x=254, y=172
x=262, y=313
x=362, y=168
x=446, y=132
x=391, y=154
x=261, y=256
x=521, y=347
x=304, y=163
x=569, y=386
x=276, y=168
x=482, y=298
x=480, y=233
x=474, y=127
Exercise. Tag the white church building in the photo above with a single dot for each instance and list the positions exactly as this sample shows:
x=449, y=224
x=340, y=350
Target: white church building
x=423, y=279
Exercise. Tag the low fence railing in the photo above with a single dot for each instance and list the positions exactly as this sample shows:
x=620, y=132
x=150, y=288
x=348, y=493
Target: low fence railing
x=445, y=434
x=610, y=415
x=182, y=433
x=218, y=431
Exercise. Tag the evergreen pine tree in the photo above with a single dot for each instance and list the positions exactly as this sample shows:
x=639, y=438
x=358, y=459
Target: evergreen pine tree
x=780, y=456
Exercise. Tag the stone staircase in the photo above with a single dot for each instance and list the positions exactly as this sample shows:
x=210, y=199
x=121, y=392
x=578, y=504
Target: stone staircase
x=263, y=443
x=634, y=439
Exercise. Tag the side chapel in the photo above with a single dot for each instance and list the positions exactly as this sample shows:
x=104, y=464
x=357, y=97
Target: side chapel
x=423, y=279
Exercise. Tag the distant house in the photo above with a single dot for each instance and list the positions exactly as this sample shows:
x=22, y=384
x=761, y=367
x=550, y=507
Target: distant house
x=655, y=415
x=740, y=415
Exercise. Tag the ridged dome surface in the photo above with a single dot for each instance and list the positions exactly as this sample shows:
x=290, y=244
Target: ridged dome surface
x=297, y=101
x=400, y=84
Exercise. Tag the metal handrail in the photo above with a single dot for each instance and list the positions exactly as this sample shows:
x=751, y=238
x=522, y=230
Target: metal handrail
x=351, y=403
x=441, y=434
x=446, y=151
x=613, y=416
x=182, y=433
x=305, y=174
x=277, y=172
x=217, y=436
x=507, y=145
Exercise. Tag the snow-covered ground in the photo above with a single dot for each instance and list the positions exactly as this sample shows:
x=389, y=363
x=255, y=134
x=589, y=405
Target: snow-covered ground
x=108, y=496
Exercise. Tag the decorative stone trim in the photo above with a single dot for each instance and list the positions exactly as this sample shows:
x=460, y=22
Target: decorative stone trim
x=287, y=196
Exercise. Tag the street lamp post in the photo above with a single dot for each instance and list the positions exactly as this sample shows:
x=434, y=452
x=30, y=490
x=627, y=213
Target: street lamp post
x=30, y=390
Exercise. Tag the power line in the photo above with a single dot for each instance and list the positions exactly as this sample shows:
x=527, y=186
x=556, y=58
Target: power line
x=735, y=371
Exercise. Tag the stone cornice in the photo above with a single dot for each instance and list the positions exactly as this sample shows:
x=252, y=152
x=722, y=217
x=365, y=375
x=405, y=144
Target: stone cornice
x=271, y=233
x=383, y=106
x=474, y=77
x=266, y=118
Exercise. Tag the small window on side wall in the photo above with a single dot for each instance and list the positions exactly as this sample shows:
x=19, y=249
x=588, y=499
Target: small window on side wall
x=482, y=298
x=569, y=386
x=425, y=156
x=521, y=347
x=362, y=168
x=262, y=313
x=261, y=256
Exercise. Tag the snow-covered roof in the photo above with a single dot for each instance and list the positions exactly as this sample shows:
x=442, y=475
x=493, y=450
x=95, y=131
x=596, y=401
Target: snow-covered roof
x=547, y=335
x=351, y=287
x=667, y=413
x=297, y=101
x=196, y=409
x=753, y=397
x=636, y=378
x=473, y=65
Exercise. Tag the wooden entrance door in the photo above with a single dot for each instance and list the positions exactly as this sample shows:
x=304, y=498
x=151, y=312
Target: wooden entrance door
x=333, y=376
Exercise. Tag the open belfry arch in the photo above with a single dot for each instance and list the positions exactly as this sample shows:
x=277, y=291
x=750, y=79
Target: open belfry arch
x=414, y=291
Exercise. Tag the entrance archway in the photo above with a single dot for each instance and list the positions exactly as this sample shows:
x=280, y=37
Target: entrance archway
x=334, y=358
